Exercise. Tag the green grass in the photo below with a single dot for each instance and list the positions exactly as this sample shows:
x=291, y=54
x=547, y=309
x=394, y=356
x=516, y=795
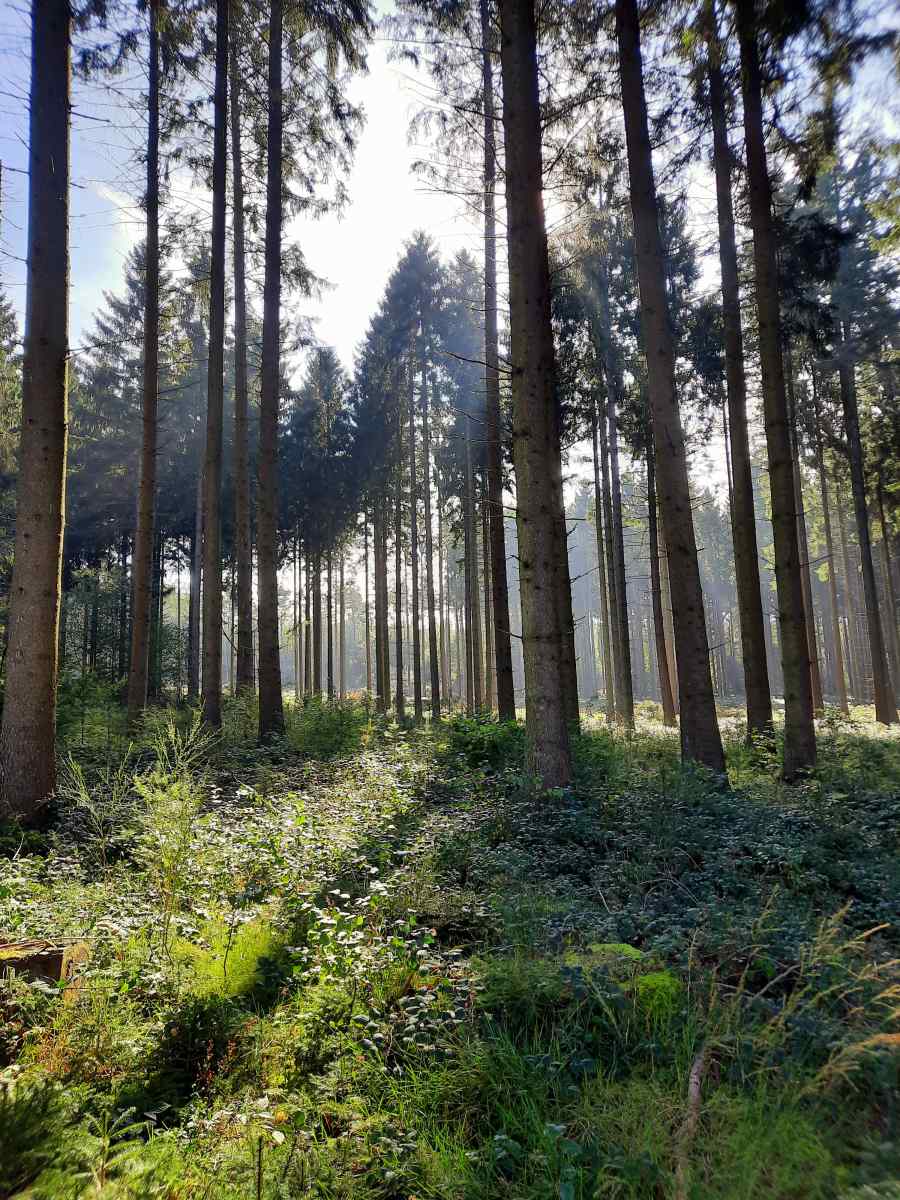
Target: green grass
x=378, y=963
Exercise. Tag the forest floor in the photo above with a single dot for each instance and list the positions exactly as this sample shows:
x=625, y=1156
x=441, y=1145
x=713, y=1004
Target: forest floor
x=377, y=963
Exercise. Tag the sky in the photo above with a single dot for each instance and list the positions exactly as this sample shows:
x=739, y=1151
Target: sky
x=355, y=251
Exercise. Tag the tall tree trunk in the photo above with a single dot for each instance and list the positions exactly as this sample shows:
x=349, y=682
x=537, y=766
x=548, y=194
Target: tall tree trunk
x=601, y=572
x=885, y=704
x=700, y=740
x=433, y=658
x=615, y=624
x=444, y=630
x=399, y=700
x=815, y=676
x=142, y=559
x=536, y=448
x=329, y=625
x=743, y=512
x=414, y=551
x=489, y=672
x=193, y=688
x=317, y=626
x=298, y=627
x=889, y=588
x=855, y=665
x=342, y=648
x=662, y=660
x=27, y=743
x=799, y=729
x=382, y=694
x=474, y=617
x=367, y=618
x=665, y=590
x=624, y=685
x=506, y=701
x=122, y=657
x=840, y=683
x=271, y=713
x=246, y=676
x=308, y=628
x=215, y=394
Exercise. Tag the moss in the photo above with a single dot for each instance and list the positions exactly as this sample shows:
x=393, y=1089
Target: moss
x=229, y=965
x=657, y=994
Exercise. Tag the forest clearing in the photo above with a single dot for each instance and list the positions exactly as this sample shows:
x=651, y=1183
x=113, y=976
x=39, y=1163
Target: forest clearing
x=449, y=626
x=377, y=962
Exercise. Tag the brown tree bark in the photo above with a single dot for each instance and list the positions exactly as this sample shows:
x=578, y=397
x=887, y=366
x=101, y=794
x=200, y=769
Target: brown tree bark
x=659, y=630
x=27, y=758
x=194, y=603
x=885, y=703
x=700, y=740
x=399, y=699
x=433, y=660
x=368, y=624
x=832, y=565
x=536, y=449
x=489, y=672
x=444, y=630
x=215, y=393
x=271, y=711
x=329, y=626
x=142, y=559
x=743, y=511
x=418, y=710
x=506, y=701
x=889, y=587
x=815, y=676
x=856, y=667
x=473, y=618
x=246, y=675
x=342, y=643
x=799, y=729
x=601, y=574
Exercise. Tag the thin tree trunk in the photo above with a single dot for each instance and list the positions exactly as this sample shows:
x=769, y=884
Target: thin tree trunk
x=298, y=627
x=317, y=626
x=472, y=584
x=414, y=552
x=215, y=394
x=271, y=713
x=662, y=660
x=342, y=652
x=624, y=685
x=840, y=683
x=506, y=702
x=885, y=704
x=799, y=729
x=743, y=511
x=601, y=572
x=308, y=630
x=700, y=738
x=399, y=701
x=246, y=676
x=329, y=626
x=889, y=588
x=193, y=688
x=122, y=661
x=433, y=660
x=368, y=623
x=489, y=674
x=815, y=676
x=444, y=625
x=142, y=559
x=612, y=698
x=855, y=665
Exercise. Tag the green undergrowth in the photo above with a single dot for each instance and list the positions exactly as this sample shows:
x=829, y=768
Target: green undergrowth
x=379, y=963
